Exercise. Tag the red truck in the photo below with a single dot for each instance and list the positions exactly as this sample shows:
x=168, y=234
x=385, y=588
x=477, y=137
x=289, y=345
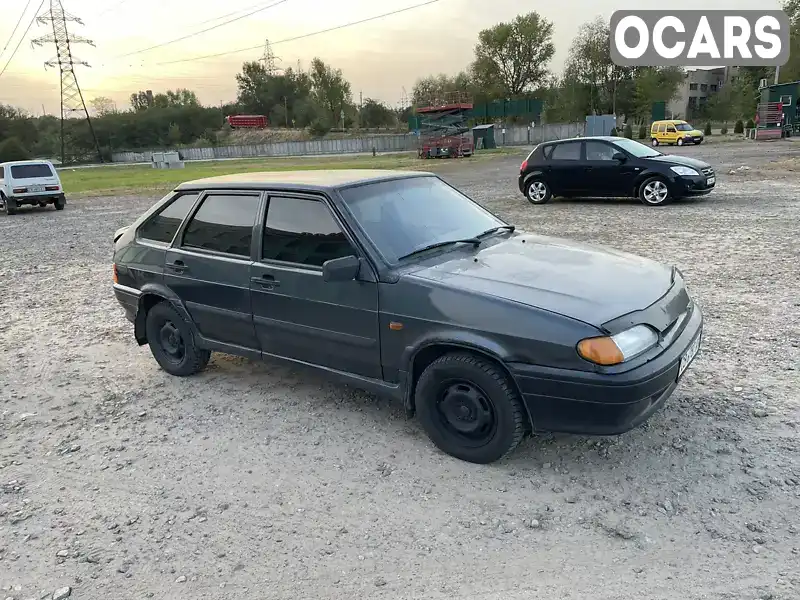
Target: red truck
x=246, y=121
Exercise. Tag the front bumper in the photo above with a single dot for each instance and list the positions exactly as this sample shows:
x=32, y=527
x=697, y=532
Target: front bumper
x=591, y=403
x=694, y=185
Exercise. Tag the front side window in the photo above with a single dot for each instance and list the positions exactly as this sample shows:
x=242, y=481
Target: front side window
x=599, y=151
x=34, y=171
x=404, y=215
x=568, y=151
x=302, y=231
x=635, y=148
x=683, y=127
x=223, y=223
x=162, y=226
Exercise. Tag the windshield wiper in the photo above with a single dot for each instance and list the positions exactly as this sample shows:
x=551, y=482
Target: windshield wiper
x=510, y=228
x=473, y=240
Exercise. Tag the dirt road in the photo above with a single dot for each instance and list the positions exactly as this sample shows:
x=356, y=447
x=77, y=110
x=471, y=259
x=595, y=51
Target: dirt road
x=255, y=480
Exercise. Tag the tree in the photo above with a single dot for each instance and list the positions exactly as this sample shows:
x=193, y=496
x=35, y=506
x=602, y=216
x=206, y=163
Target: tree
x=102, y=105
x=512, y=58
x=12, y=149
x=436, y=87
x=609, y=88
x=174, y=134
x=330, y=89
x=376, y=114
x=654, y=84
x=791, y=70
x=283, y=98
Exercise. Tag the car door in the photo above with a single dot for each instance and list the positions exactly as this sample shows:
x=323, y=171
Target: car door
x=604, y=175
x=671, y=136
x=208, y=267
x=566, y=169
x=297, y=314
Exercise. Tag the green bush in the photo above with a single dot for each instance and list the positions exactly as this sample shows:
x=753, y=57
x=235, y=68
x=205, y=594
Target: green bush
x=642, y=131
x=724, y=130
x=707, y=130
x=318, y=128
x=12, y=149
x=738, y=127
x=750, y=124
x=613, y=132
x=628, y=131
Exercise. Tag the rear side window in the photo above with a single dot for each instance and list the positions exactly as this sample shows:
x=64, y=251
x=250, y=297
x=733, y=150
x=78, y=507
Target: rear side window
x=31, y=171
x=224, y=223
x=568, y=151
x=302, y=231
x=1, y=172
x=163, y=225
x=547, y=151
x=662, y=128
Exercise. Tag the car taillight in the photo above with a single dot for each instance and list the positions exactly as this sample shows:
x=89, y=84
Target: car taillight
x=51, y=188
x=116, y=275
x=19, y=190
x=524, y=165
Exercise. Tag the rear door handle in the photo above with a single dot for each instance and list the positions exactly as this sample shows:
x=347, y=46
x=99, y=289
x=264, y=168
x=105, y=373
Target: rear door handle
x=266, y=281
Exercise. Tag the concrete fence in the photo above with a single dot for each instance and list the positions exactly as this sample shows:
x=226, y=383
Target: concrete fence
x=513, y=136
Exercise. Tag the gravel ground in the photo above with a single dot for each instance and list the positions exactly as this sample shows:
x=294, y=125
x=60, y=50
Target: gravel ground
x=254, y=480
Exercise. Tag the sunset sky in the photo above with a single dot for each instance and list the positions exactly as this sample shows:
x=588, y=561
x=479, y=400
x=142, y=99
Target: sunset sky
x=378, y=58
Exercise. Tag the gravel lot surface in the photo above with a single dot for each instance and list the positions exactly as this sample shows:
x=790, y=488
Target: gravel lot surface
x=255, y=480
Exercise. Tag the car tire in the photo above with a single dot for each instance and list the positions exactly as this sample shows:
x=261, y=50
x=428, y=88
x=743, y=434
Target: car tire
x=60, y=203
x=655, y=192
x=537, y=191
x=172, y=343
x=698, y=142
x=680, y=142
x=654, y=142
x=10, y=206
x=470, y=408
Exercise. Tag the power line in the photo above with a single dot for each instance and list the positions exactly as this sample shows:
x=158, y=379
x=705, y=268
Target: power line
x=186, y=37
x=19, y=43
x=111, y=8
x=229, y=14
x=22, y=14
x=300, y=37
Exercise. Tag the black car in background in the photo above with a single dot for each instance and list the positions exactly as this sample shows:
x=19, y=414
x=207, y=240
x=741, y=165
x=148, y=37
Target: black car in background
x=612, y=167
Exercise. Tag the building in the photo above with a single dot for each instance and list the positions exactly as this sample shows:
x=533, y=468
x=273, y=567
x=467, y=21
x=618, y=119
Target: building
x=698, y=86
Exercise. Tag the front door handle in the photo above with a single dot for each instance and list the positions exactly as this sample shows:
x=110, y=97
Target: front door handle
x=178, y=266
x=266, y=281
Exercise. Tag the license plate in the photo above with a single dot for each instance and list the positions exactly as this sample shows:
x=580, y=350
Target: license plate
x=688, y=355
x=711, y=181
x=35, y=188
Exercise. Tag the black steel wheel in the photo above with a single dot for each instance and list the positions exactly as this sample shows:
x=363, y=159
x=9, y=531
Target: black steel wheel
x=172, y=343
x=60, y=203
x=470, y=408
x=9, y=205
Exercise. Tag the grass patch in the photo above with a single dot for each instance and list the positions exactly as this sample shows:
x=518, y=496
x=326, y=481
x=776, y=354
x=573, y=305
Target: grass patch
x=104, y=180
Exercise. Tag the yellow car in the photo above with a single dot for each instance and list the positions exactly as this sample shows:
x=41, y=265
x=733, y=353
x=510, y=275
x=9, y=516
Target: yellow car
x=674, y=132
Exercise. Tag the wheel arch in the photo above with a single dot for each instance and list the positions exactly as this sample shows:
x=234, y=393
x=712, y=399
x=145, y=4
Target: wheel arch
x=642, y=177
x=151, y=295
x=420, y=357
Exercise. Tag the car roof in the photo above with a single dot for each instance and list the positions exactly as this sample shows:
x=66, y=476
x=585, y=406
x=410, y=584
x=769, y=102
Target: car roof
x=318, y=179
x=604, y=138
x=14, y=163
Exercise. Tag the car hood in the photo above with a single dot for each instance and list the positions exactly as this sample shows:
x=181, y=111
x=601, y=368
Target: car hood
x=583, y=282
x=674, y=159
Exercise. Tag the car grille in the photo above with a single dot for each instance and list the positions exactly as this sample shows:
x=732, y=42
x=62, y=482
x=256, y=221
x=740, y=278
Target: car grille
x=708, y=172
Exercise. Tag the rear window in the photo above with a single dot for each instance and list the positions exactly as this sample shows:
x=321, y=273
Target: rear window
x=31, y=171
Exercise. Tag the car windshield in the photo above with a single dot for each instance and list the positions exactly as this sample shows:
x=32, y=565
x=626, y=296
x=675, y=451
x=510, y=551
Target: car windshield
x=404, y=215
x=31, y=171
x=635, y=148
x=683, y=127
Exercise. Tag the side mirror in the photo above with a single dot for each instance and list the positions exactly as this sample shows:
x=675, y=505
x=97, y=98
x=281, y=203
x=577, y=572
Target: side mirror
x=341, y=269
x=619, y=156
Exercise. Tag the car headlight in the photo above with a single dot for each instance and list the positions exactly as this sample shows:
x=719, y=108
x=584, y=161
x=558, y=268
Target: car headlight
x=616, y=349
x=684, y=171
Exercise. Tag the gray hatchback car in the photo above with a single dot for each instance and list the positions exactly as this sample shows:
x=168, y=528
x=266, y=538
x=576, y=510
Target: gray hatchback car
x=398, y=283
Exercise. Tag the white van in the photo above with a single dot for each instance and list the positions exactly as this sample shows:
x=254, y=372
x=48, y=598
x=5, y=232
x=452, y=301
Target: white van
x=30, y=182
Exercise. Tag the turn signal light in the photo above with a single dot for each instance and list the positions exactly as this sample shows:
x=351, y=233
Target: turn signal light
x=601, y=351
x=116, y=275
x=20, y=190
